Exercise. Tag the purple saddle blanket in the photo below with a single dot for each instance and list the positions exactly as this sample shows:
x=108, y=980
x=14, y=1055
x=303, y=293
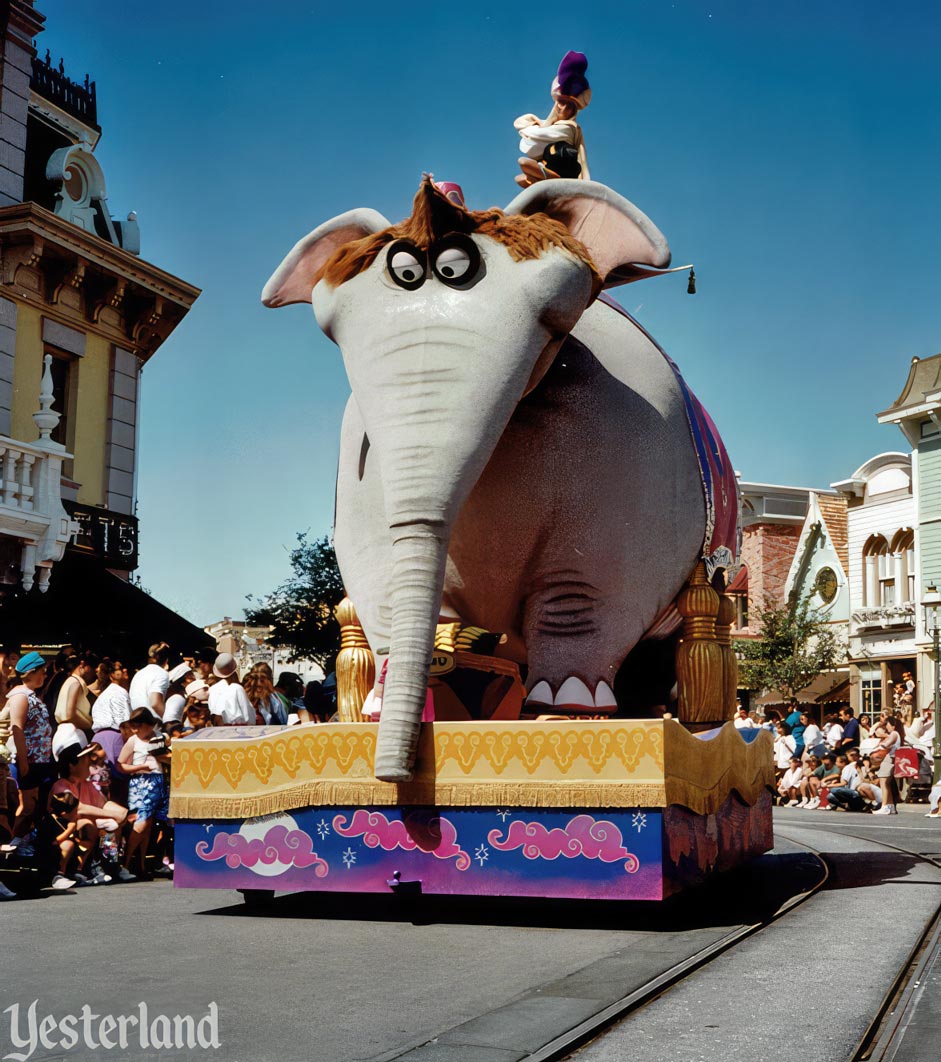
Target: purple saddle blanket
x=722, y=537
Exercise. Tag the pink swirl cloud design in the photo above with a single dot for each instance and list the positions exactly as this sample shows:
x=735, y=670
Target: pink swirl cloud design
x=582, y=836
x=291, y=848
x=435, y=835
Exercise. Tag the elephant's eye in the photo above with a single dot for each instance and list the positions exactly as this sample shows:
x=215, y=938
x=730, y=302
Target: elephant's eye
x=405, y=267
x=457, y=261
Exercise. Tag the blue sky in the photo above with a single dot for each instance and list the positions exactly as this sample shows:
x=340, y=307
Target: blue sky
x=790, y=150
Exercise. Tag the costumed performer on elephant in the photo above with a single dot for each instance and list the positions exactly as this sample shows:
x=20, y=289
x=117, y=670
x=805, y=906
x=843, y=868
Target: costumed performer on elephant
x=555, y=146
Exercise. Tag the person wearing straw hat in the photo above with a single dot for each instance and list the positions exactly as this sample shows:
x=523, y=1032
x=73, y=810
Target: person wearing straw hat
x=228, y=703
x=180, y=676
x=554, y=146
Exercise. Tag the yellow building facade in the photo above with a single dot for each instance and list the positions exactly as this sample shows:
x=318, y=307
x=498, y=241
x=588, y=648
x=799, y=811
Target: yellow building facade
x=81, y=312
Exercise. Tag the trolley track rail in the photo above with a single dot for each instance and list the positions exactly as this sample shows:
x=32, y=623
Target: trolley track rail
x=814, y=874
x=563, y=1046
x=881, y=1036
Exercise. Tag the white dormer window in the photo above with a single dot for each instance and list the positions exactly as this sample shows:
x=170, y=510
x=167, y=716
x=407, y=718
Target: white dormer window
x=889, y=571
x=903, y=546
x=875, y=569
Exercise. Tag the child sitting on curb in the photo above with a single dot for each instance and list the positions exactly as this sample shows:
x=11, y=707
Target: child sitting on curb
x=789, y=786
x=60, y=831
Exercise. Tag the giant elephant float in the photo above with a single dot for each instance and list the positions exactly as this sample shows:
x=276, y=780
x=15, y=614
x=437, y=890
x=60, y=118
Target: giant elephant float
x=519, y=455
x=516, y=452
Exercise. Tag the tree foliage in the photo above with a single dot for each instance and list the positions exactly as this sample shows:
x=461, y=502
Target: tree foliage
x=300, y=610
x=795, y=646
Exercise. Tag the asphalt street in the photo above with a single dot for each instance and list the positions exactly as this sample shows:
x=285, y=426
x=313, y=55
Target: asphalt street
x=328, y=979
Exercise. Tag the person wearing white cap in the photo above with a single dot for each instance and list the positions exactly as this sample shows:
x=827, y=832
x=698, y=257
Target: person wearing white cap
x=176, y=695
x=149, y=686
x=228, y=704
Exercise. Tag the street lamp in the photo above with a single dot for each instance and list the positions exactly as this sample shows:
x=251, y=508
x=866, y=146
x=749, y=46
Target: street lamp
x=932, y=605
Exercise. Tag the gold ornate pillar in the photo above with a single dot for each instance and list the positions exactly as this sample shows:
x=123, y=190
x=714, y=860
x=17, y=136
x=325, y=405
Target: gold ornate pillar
x=698, y=657
x=356, y=667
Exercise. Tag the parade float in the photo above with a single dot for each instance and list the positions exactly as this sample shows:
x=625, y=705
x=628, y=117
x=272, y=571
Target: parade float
x=518, y=456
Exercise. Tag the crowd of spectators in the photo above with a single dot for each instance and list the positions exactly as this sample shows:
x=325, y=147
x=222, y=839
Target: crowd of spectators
x=848, y=764
x=85, y=749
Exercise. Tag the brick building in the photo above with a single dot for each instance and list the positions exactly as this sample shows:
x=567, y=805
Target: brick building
x=790, y=536
x=773, y=517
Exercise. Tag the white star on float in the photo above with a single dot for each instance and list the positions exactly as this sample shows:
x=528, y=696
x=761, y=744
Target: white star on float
x=482, y=854
x=322, y=829
x=638, y=820
x=349, y=858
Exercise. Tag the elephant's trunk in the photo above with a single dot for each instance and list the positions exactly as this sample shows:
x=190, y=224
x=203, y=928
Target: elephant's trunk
x=435, y=401
x=419, y=555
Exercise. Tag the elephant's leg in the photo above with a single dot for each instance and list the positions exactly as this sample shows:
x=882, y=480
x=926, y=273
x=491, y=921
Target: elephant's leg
x=574, y=649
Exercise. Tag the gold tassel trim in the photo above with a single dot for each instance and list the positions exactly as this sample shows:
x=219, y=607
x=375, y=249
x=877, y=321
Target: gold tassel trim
x=377, y=794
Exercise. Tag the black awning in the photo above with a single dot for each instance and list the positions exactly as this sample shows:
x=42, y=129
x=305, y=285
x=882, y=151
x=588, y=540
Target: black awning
x=88, y=606
x=839, y=694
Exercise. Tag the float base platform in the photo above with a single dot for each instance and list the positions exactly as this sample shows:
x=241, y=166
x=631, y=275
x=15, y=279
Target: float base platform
x=605, y=810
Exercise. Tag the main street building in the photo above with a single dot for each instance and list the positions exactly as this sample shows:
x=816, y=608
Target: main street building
x=81, y=312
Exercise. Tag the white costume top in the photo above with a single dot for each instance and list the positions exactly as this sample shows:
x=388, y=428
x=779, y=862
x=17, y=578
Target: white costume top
x=535, y=138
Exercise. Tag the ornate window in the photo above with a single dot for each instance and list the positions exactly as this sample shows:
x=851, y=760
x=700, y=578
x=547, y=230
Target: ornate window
x=877, y=573
x=870, y=686
x=741, y=611
x=64, y=368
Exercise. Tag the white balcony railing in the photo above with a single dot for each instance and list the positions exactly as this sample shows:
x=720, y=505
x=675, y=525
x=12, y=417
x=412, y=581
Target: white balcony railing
x=31, y=493
x=17, y=464
x=884, y=617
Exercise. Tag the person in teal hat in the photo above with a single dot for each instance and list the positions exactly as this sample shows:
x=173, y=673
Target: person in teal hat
x=30, y=744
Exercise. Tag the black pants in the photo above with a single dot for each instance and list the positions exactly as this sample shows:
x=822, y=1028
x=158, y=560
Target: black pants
x=562, y=159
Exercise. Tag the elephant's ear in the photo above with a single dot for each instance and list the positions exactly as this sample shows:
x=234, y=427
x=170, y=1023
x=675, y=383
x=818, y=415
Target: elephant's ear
x=294, y=279
x=624, y=243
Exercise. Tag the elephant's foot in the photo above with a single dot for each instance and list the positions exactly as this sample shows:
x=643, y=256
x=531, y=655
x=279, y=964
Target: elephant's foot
x=573, y=696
